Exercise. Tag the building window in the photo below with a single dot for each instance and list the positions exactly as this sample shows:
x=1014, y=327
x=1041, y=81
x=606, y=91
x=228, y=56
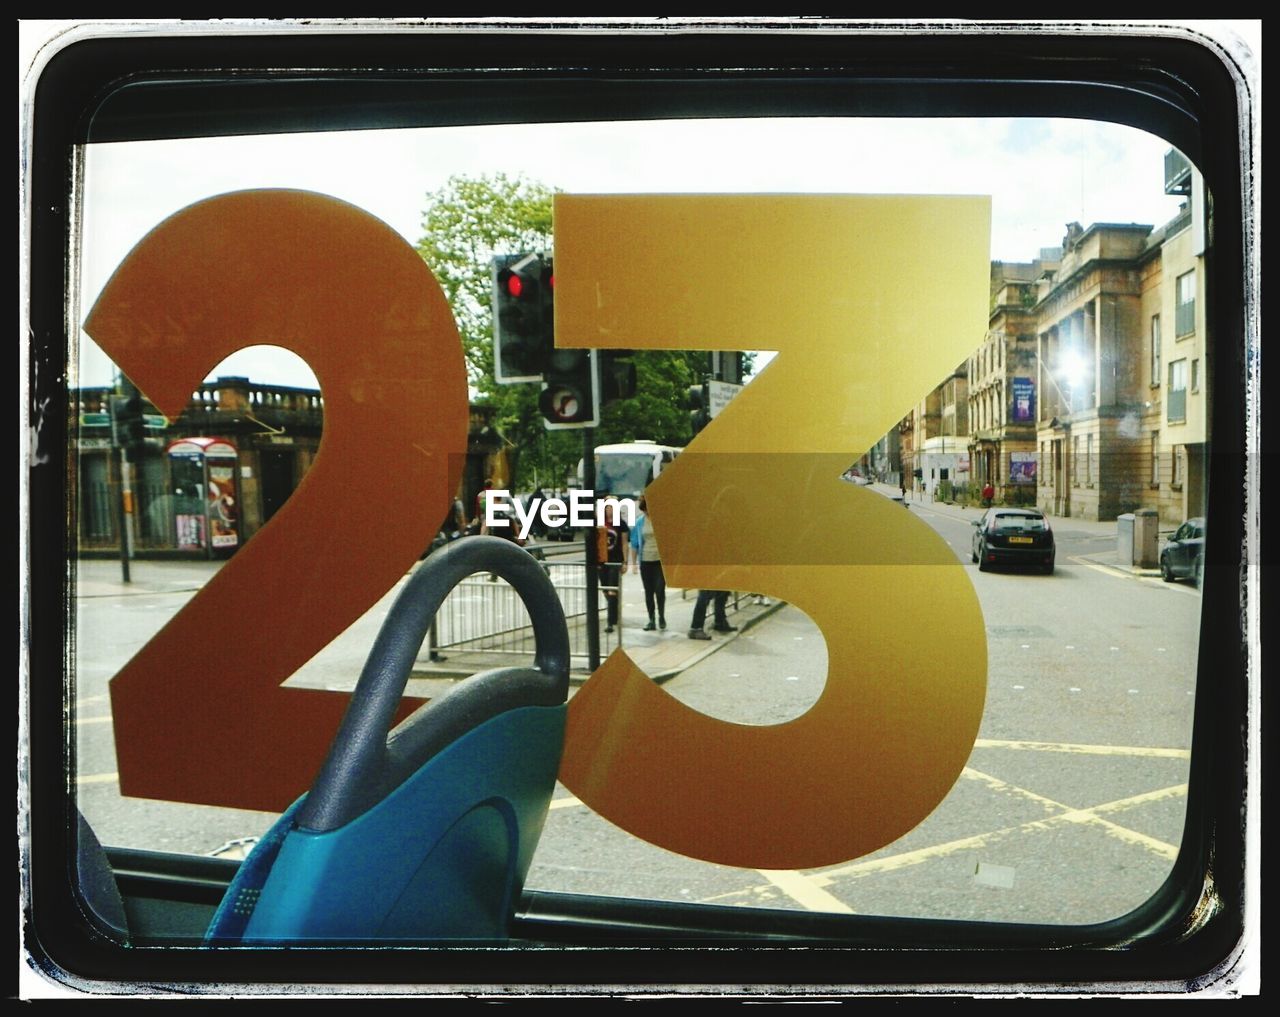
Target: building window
x=1176, y=398
x=1185, y=311
x=1088, y=460
x=1195, y=376
x=1155, y=458
x=1175, y=478
x=1075, y=461
x=1155, y=351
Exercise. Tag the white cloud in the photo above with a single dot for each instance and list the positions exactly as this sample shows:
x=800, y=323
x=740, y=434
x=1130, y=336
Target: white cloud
x=1041, y=174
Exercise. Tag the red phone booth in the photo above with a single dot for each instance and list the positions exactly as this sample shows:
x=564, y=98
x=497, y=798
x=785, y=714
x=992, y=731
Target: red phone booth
x=206, y=495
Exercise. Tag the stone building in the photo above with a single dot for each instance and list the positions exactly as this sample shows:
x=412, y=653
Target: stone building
x=1093, y=409
x=274, y=430
x=271, y=434
x=1179, y=362
x=1123, y=367
x=1002, y=383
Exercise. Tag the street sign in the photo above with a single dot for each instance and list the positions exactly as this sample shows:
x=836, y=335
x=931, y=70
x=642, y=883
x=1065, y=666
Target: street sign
x=720, y=392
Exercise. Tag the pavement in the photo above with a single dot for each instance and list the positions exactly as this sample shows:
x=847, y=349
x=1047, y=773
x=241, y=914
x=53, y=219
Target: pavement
x=161, y=587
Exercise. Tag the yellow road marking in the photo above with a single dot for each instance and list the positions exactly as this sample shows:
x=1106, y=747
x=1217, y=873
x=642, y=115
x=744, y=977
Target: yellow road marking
x=1091, y=815
x=1159, y=847
x=909, y=858
x=566, y=802
x=1107, y=570
x=98, y=778
x=996, y=784
x=1102, y=568
x=805, y=891
x=1092, y=750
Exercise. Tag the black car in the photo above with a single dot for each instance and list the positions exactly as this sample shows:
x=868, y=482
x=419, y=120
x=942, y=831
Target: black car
x=1182, y=557
x=1013, y=536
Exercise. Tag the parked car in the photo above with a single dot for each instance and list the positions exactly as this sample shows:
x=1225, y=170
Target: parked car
x=1012, y=536
x=1182, y=556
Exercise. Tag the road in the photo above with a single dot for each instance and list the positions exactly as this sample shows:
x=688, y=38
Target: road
x=1070, y=809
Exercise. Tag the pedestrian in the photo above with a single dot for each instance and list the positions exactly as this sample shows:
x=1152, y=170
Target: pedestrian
x=482, y=497
x=538, y=529
x=612, y=542
x=718, y=598
x=988, y=494
x=644, y=546
x=902, y=483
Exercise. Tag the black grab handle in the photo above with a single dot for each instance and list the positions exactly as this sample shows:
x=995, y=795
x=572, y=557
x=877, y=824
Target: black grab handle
x=363, y=766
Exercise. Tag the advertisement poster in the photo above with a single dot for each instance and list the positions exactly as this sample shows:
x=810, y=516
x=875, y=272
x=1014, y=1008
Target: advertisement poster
x=1024, y=400
x=1022, y=467
x=222, y=504
x=190, y=532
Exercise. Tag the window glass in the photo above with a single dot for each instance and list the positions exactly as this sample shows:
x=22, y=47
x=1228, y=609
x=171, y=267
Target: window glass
x=623, y=474
x=1177, y=396
x=1186, y=305
x=1079, y=775
x=1155, y=349
x=1005, y=521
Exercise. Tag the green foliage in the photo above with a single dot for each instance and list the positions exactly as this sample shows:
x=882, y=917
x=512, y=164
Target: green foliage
x=466, y=223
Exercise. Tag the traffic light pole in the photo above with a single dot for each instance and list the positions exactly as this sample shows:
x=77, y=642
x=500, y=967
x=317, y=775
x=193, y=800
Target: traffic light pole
x=593, y=583
x=122, y=520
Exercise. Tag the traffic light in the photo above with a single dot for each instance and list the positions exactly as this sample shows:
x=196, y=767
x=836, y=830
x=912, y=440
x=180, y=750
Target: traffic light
x=130, y=427
x=699, y=405
x=570, y=396
x=522, y=316
x=617, y=375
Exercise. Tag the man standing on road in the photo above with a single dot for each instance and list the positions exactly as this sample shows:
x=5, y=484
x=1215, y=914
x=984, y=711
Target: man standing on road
x=988, y=494
x=720, y=598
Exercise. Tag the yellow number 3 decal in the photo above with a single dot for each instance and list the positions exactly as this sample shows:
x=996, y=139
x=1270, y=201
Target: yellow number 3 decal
x=870, y=301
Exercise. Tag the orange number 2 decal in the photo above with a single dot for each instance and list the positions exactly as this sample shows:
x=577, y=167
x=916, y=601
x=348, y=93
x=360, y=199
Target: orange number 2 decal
x=199, y=715
x=869, y=301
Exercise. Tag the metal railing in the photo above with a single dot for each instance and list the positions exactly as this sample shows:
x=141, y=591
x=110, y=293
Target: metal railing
x=485, y=615
x=153, y=525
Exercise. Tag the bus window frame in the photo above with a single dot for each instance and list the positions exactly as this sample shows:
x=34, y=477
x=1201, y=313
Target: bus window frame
x=117, y=88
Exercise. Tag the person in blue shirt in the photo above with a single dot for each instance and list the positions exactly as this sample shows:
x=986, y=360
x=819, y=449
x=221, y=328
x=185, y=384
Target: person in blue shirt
x=645, y=547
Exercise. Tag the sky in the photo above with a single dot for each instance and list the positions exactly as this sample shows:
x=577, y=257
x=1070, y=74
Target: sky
x=1041, y=174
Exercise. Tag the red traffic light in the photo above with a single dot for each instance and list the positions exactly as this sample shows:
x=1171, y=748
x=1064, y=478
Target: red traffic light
x=515, y=285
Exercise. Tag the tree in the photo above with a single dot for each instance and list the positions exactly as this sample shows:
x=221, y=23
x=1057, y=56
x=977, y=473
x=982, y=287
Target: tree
x=466, y=223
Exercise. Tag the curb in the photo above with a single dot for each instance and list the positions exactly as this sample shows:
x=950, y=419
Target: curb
x=1120, y=570
x=578, y=677
x=715, y=645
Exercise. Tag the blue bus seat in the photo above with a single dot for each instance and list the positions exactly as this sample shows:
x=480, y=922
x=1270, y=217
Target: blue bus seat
x=426, y=835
